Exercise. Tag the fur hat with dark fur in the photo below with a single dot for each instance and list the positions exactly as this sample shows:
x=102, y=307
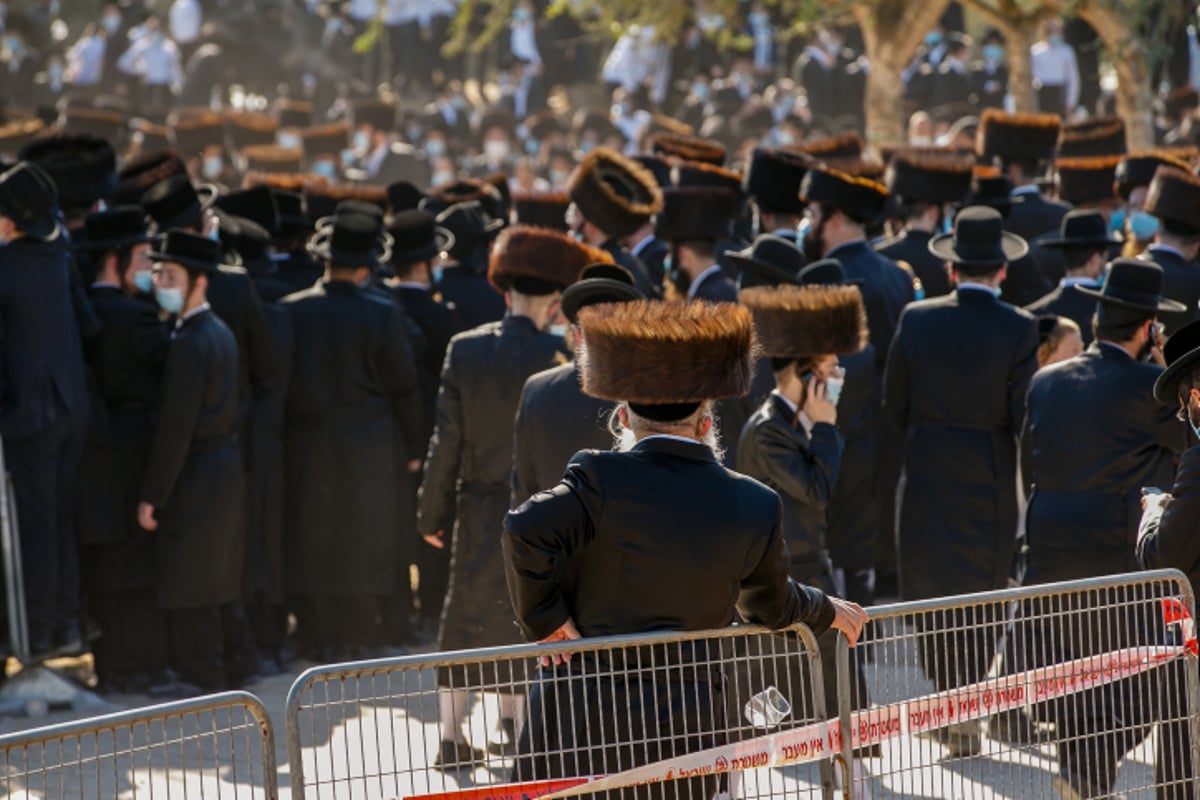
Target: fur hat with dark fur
x=860, y=199
x=688, y=148
x=699, y=173
x=1137, y=169
x=322, y=201
x=614, y=193
x=544, y=209
x=696, y=213
x=1087, y=180
x=83, y=166
x=251, y=128
x=842, y=145
x=1174, y=197
x=773, y=179
x=552, y=257
x=1023, y=137
x=803, y=321
x=324, y=140
x=143, y=171
x=1101, y=136
x=272, y=158
x=649, y=352
x=929, y=178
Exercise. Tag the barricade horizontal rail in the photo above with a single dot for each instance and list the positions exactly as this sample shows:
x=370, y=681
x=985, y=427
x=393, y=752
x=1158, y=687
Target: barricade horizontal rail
x=219, y=746
x=1086, y=688
x=437, y=726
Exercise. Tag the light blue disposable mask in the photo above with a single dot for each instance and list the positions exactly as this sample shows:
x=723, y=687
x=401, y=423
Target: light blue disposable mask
x=759, y=19
x=1143, y=226
x=361, y=140
x=700, y=91
x=801, y=231
x=557, y=330
x=435, y=147
x=833, y=388
x=289, y=140
x=1055, y=40
x=1116, y=223
x=169, y=300
x=325, y=169
x=144, y=281
x=437, y=274
x=521, y=14
x=933, y=38
x=993, y=52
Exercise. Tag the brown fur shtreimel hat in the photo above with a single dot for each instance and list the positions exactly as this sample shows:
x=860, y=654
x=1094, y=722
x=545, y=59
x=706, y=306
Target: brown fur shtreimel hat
x=655, y=353
x=539, y=260
x=801, y=321
x=614, y=193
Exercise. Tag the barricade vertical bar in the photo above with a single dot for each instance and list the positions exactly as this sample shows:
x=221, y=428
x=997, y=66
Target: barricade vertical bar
x=844, y=697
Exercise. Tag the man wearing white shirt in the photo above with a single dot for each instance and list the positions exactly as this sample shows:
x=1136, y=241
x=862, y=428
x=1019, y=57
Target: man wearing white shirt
x=85, y=59
x=155, y=59
x=1055, y=71
x=185, y=20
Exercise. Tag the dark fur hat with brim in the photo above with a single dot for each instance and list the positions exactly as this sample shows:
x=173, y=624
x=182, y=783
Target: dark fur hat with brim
x=1024, y=137
x=1137, y=169
x=293, y=113
x=250, y=129
x=324, y=140
x=699, y=173
x=374, y=111
x=614, y=193
x=271, y=158
x=1174, y=197
x=860, y=199
x=468, y=190
x=928, y=178
x=666, y=355
x=773, y=179
x=82, y=166
x=857, y=168
x=16, y=133
x=1182, y=354
x=543, y=209
x=1083, y=181
x=539, y=261
x=1180, y=102
x=803, y=321
x=694, y=213
x=688, y=148
x=842, y=145
x=1101, y=136
x=194, y=133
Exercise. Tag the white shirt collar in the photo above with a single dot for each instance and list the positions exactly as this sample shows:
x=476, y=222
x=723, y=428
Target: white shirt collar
x=1079, y=280
x=1028, y=188
x=637, y=248
x=410, y=285
x=185, y=316
x=701, y=278
x=669, y=436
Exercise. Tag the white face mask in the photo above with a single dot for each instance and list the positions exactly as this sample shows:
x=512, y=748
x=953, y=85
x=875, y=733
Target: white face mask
x=833, y=387
x=213, y=167
x=496, y=150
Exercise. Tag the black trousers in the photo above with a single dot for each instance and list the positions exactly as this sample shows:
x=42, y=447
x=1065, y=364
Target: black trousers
x=45, y=475
x=133, y=640
x=337, y=621
x=209, y=645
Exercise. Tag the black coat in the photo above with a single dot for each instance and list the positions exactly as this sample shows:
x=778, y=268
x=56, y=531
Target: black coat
x=438, y=322
x=555, y=420
x=912, y=247
x=1181, y=282
x=1030, y=218
x=955, y=384
x=1067, y=301
x=990, y=84
x=468, y=470
x=653, y=254
x=234, y=300
x=951, y=88
x=125, y=362
x=41, y=357
x=641, y=276
x=854, y=509
x=295, y=273
x=1170, y=538
x=476, y=301
x=716, y=287
x=353, y=421
x=886, y=290
x=1094, y=436
x=194, y=476
x=803, y=468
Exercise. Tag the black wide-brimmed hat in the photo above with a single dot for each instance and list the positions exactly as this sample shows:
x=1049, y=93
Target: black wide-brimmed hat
x=189, y=250
x=861, y=199
x=1081, y=228
x=252, y=243
x=1134, y=283
x=1182, y=354
x=351, y=239
x=470, y=226
x=28, y=197
x=993, y=191
x=1137, y=169
x=695, y=213
x=978, y=240
x=404, y=196
x=175, y=203
x=115, y=228
x=769, y=261
x=773, y=179
x=826, y=272
x=417, y=237
x=598, y=283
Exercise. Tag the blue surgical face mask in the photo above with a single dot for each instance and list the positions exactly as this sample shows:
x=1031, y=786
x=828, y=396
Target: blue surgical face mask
x=361, y=140
x=933, y=38
x=531, y=147
x=521, y=14
x=833, y=388
x=759, y=20
x=169, y=300
x=1055, y=39
x=802, y=231
x=144, y=281
x=1143, y=226
x=557, y=330
x=325, y=169
x=437, y=274
x=1116, y=223
x=700, y=91
x=289, y=140
x=435, y=147
x=112, y=23
x=993, y=52
x=213, y=167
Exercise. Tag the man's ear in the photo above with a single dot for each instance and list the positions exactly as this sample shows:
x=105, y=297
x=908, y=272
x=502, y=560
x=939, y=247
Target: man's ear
x=705, y=426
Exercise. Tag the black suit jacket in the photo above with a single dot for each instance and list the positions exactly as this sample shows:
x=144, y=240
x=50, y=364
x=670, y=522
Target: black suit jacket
x=1170, y=538
x=295, y=273
x=951, y=87
x=660, y=538
x=1067, y=301
x=803, y=469
x=476, y=301
x=235, y=301
x=955, y=385
x=716, y=288
x=641, y=275
x=653, y=254
x=1094, y=436
x=886, y=290
x=438, y=323
x=990, y=85
x=1029, y=218
x=41, y=357
x=912, y=247
x=555, y=420
x=1181, y=282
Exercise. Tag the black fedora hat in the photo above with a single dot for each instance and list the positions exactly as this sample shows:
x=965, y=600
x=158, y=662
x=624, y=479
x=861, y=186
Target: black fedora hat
x=826, y=272
x=175, y=203
x=1182, y=354
x=28, y=197
x=290, y=205
x=472, y=229
x=978, y=240
x=417, y=237
x=598, y=283
x=351, y=239
x=252, y=243
x=189, y=250
x=1134, y=283
x=114, y=228
x=769, y=261
x=1083, y=229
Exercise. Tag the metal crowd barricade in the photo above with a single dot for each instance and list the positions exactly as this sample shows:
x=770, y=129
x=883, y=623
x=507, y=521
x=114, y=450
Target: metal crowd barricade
x=371, y=729
x=219, y=746
x=1086, y=688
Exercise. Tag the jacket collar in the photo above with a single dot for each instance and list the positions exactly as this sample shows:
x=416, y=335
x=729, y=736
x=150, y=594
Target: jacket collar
x=848, y=249
x=1110, y=352
x=515, y=322
x=672, y=446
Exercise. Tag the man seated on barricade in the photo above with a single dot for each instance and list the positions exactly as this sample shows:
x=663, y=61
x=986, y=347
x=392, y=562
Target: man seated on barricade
x=656, y=537
x=1169, y=534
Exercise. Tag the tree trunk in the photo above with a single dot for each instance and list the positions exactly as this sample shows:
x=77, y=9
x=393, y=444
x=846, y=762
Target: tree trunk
x=1021, y=37
x=886, y=116
x=1135, y=94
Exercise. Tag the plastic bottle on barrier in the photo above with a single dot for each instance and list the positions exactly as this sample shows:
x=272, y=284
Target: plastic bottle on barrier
x=767, y=709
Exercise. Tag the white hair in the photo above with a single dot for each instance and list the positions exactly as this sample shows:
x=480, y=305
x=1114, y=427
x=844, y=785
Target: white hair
x=624, y=438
